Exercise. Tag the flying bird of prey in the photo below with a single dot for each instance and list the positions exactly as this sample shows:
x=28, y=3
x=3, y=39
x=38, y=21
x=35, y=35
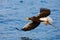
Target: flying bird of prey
x=43, y=16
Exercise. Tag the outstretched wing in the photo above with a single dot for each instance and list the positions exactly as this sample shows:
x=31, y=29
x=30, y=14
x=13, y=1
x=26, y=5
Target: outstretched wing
x=44, y=12
x=30, y=26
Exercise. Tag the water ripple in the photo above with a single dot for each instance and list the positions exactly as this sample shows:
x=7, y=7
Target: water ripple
x=9, y=20
x=55, y=10
x=2, y=15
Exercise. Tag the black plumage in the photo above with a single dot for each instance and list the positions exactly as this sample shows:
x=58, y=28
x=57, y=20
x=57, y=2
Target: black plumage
x=31, y=26
x=44, y=12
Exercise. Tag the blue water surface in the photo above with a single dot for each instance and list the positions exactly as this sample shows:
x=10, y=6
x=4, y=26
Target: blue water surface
x=14, y=12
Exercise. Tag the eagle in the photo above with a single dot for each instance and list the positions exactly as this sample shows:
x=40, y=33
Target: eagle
x=43, y=16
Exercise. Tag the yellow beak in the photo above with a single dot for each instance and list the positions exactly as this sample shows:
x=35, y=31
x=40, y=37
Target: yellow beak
x=27, y=18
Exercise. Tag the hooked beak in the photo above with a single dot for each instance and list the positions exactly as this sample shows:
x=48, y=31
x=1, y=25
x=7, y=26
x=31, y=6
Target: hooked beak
x=28, y=18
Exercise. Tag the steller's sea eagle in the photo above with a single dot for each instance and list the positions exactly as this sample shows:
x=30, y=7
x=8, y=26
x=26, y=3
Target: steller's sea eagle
x=43, y=16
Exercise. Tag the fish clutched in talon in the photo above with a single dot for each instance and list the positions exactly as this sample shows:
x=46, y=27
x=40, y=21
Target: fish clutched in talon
x=43, y=16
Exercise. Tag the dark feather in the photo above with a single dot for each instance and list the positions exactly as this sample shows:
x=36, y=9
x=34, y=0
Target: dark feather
x=30, y=26
x=44, y=12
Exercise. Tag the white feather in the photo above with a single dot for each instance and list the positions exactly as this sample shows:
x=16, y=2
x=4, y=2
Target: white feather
x=47, y=19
